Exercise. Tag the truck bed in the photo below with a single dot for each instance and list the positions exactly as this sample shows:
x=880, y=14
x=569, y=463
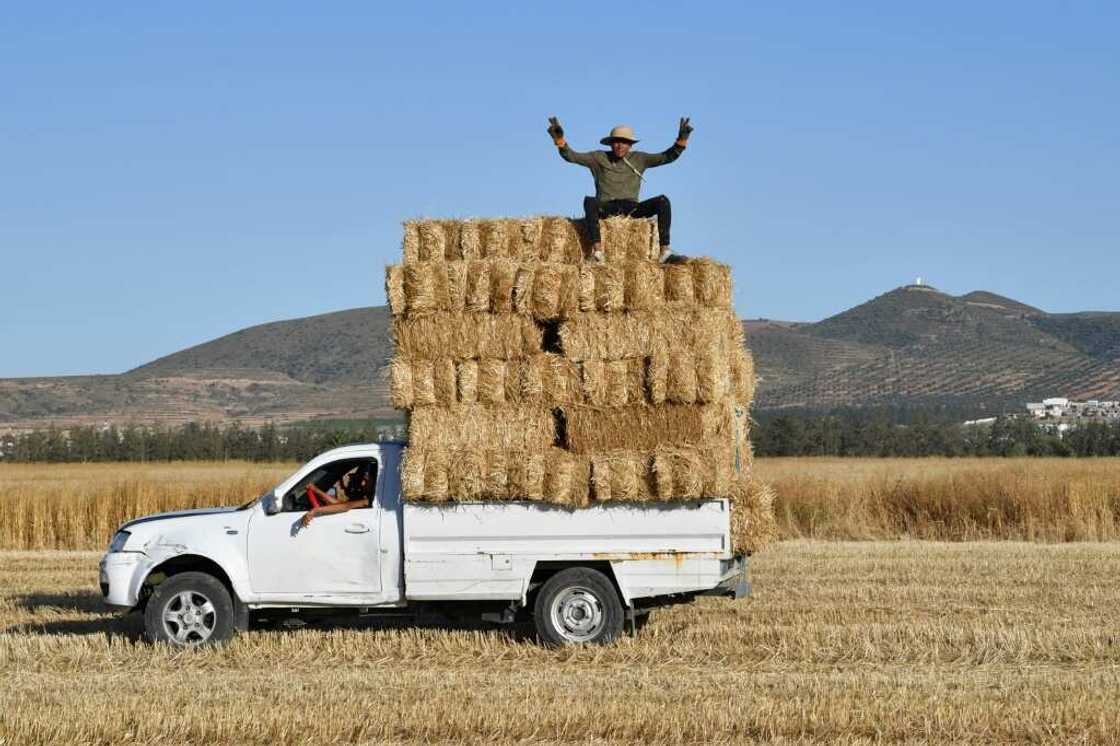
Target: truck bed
x=489, y=550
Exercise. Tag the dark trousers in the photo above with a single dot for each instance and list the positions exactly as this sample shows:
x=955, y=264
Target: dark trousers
x=658, y=206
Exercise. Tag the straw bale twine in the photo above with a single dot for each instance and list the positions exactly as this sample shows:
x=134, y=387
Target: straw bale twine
x=679, y=287
x=467, y=381
x=502, y=275
x=491, y=381
x=394, y=289
x=423, y=384
x=470, y=240
x=477, y=296
x=410, y=244
x=443, y=378
x=643, y=286
x=400, y=384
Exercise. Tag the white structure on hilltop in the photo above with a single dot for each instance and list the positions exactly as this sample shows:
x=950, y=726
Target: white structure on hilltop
x=1059, y=407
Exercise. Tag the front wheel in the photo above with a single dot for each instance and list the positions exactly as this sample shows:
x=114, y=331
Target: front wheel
x=578, y=605
x=189, y=609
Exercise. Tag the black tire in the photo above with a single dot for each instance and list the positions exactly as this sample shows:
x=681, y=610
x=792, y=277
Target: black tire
x=188, y=610
x=578, y=605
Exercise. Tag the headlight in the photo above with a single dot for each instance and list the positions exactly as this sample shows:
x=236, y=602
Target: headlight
x=118, y=542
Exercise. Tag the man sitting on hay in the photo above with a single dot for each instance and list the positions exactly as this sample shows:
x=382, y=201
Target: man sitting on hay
x=618, y=179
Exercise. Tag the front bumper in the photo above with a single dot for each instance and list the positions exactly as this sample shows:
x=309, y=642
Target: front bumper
x=734, y=579
x=120, y=575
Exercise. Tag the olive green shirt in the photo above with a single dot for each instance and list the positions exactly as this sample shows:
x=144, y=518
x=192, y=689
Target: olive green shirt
x=614, y=177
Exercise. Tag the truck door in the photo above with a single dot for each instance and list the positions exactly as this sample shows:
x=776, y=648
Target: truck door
x=336, y=556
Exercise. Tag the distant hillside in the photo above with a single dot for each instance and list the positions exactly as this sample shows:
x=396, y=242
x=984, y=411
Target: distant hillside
x=912, y=346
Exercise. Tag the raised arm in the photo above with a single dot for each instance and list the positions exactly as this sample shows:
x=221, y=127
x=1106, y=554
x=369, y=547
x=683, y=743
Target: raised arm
x=674, y=151
x=557, y=133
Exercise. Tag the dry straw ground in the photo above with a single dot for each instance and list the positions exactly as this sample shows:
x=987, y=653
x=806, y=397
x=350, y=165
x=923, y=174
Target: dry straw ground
x=842, y=643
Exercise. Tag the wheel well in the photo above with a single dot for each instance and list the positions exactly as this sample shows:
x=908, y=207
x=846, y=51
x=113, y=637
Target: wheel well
x=545, y=570
x=189, y=563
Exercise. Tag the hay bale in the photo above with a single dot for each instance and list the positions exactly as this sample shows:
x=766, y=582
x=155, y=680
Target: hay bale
x=561, y=378
x=502, y=276
x=526, y=475
x=456, y=286
x=617, y=393
x=466, y=336
x=443, y=381
x=412, y=473
x=530, y=229
x=679, y=285
x=681, y=384
x=523, y=290
x=593, y=429
x=436, y=486
x=559, y=468
x=586, y=299
x=713, y=378
x=467, y=381
x=495, y=239
x=569, y=292
x=610, y=287
x=594, y=382
x=394, y=289
x=466, y=475
x=643, y=286
x=711, y=283
x=530, y=376
x=605, y=336
x=560, y=242
x=477, y=297
x=662, y=473
x=636, y=380
x=433, y=241
x=742, y=376
x=423, y=384
x=470, y=241
x=601, y=478
x=545, y=291
x=410, y=244
x=753, y=525
x=420, y=288
x=657, y=377
x=400, y=384
x=629, y=239
x=497, y=474
x=479, y=426
x=491, y=381
x=628, y=476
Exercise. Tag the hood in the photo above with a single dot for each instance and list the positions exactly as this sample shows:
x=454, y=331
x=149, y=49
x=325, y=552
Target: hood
x=176, y=514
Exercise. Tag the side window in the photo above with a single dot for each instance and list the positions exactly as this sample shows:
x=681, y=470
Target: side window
x=343, y=480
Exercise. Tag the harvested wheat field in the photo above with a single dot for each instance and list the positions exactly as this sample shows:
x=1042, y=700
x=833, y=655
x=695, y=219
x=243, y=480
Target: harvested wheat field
x=842, y=643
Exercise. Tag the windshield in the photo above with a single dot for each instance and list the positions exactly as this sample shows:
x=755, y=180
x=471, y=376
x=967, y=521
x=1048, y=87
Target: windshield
x=253, y=502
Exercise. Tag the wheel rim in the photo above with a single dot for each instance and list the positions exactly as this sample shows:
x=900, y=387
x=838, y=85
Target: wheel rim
x=577, y=614
x=189, y=618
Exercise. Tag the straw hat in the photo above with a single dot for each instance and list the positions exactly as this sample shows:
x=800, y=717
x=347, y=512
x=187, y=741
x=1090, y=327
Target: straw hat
x=621, y=132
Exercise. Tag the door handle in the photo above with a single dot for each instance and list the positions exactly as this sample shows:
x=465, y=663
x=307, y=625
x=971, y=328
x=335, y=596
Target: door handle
x=357, y=528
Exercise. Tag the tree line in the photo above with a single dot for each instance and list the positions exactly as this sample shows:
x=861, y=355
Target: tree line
x=189, y=442
x=877, y=434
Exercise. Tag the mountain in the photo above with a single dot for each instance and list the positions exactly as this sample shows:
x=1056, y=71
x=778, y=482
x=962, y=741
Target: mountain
x=913, y=346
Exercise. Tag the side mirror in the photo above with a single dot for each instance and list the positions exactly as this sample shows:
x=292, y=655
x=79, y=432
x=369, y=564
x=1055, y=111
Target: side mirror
x=271, y=503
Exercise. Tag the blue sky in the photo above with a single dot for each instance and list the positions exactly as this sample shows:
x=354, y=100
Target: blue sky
x=174, y=172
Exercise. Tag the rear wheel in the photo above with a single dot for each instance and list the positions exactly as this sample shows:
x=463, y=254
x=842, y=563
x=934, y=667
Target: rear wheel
x=189, y=609
x=578, y=605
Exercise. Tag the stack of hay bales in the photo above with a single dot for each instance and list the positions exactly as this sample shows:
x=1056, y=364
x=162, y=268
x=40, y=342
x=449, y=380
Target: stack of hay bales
x=530, y=374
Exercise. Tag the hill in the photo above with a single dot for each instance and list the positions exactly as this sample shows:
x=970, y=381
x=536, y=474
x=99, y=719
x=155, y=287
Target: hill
x=913, y=346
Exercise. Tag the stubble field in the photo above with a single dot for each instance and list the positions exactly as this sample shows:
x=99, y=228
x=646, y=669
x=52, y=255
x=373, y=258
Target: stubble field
x=843, y=641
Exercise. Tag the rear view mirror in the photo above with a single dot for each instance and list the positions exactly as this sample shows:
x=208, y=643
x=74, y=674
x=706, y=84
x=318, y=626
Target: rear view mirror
x=271, y=503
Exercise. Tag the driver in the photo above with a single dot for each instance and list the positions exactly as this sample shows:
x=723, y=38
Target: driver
x=354, y=490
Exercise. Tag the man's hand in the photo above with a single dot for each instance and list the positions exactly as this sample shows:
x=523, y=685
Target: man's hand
x=555, y=131
x=306, y=520
x=685, y=130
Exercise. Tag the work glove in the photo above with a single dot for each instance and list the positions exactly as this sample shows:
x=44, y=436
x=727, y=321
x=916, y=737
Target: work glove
x=555, y=131
x=686, y=129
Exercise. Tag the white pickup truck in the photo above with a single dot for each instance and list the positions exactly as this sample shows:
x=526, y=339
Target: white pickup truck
x=580, y=574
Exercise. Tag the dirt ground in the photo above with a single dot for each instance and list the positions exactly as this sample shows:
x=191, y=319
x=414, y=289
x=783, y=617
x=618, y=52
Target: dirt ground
x=845, y=642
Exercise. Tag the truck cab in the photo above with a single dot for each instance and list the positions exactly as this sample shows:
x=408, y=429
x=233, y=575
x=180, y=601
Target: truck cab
x=580, y=574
